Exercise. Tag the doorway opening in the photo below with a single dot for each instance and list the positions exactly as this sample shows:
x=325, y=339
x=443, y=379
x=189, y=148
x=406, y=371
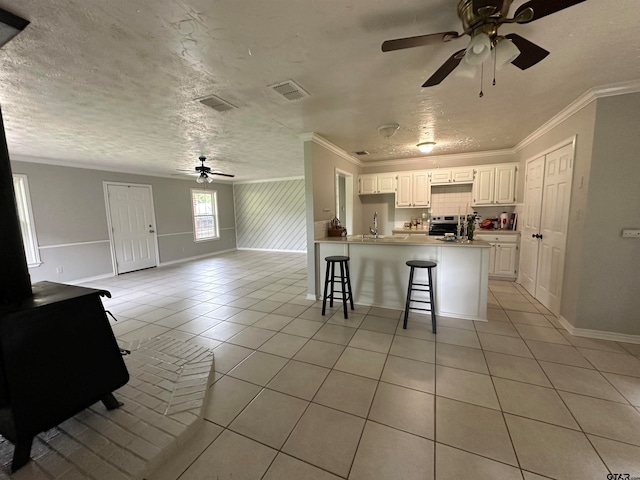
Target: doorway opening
x=344, y=198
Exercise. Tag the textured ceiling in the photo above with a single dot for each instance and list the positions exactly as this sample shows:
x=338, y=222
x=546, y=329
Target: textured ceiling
x=115, y=83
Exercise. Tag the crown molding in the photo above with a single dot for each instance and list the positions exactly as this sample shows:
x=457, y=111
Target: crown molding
x=270, y=180
x=445, y=157
x=574, y=107
x=315, y=138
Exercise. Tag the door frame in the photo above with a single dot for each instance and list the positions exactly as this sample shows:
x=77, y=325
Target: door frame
x=571, y=141
x=348, y=200
x=105, y=187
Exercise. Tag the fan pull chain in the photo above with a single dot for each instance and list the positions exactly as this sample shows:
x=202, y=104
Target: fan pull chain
x=494, y=67
x=481, y=79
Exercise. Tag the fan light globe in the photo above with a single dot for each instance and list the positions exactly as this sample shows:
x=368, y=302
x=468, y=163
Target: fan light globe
x=426, y=147
x=201, y=178
x=209, y=179
x=506, y=52
x=478, y=49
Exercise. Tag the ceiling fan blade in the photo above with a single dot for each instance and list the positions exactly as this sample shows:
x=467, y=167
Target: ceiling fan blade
x=419, y=41
x=185, y=170
x=446, y=68
x=222, y=174
x=542, y=8
x=530, y=53
x=486, y=8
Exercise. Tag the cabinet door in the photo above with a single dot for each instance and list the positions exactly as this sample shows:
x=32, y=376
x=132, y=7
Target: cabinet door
x=404, y=196
x=505, y=259
x=483, y=186
x=492, y=258
x=440, y=176
x=462, y=175
x=505, y=185
x=421, y=189
x=386, y=183
x=368, y=184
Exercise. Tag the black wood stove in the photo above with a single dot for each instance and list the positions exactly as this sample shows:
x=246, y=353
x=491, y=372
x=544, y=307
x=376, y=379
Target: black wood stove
x=58, y=354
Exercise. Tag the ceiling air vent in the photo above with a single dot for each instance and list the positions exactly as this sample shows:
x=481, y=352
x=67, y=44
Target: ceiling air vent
x=290, y=90
x=217, y=103
x=361, y=152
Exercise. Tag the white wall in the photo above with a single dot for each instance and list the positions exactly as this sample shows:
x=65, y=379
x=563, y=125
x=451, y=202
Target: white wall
x=610, y=275
x=71, y=220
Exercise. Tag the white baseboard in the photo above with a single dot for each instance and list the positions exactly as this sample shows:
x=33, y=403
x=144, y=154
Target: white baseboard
x=311, y=296
x=271, y=250
x=90, y=279
x=196, y=257
x=598, y=334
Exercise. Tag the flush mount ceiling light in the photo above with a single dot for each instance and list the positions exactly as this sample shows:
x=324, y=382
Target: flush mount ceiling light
x=426, y=147
x=10, y=26
x=388, y=130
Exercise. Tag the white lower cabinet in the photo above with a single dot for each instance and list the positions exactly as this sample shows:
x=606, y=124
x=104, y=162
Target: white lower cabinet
x=503, y=257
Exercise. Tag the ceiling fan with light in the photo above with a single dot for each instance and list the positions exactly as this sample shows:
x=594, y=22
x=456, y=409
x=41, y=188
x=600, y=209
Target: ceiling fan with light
x=481, y=20
x=204, y=172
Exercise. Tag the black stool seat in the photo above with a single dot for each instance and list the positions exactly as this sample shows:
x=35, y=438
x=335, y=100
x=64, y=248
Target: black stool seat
x=344, y=280
x=421, y=264
x=337, y=258
x=426, y=287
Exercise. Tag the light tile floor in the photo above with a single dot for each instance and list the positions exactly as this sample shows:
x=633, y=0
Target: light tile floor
x=302, y=396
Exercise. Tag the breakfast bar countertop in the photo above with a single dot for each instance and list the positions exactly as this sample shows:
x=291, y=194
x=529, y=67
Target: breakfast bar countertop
x=403, y=240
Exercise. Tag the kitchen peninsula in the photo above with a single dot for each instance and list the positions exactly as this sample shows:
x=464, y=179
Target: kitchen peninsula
x=379, y=275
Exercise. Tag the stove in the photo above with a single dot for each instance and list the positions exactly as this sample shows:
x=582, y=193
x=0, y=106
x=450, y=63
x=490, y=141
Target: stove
x=443, y=224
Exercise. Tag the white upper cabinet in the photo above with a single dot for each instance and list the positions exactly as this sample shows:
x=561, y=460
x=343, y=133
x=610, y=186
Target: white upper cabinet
x=495, y=185
x=505, y=189
x=387, y=183
x=440, y=176
x=462, y=175
x=445, y=176
x=414, y=190
x=367, y=184
x=382, y=183
x=404, y=194
x=421, y=189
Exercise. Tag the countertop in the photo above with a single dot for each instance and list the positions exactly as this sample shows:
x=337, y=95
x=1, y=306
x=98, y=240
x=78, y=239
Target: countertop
x=417, y=231
x=402, y=240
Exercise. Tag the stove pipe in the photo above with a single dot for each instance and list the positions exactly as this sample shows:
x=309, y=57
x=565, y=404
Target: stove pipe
x=15, y=283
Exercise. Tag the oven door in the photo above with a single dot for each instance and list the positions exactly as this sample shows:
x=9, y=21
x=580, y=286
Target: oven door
x=439, y=229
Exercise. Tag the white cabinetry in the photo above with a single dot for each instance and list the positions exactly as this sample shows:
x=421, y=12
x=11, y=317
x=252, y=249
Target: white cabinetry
x=383, y=183
x=414, y=190
x=453, y=175
x=495, y=185
x=503, y=257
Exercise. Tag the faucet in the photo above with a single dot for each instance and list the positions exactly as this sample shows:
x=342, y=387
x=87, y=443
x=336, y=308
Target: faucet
x=374, y=230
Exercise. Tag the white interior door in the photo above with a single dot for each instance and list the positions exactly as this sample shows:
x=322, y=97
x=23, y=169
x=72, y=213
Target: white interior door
x=554, y=222
x=530, y=224
x=133, y=227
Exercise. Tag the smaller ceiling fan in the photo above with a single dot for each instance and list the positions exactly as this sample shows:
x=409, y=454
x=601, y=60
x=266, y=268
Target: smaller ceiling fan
x=480, y=21
x=204, y=172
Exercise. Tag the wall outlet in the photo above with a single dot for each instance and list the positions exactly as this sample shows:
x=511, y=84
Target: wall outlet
x=631, y=233
x=59, y=269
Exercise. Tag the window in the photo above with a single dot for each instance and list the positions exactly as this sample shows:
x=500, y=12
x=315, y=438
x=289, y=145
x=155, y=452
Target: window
x=205, y=214
x=25, y=215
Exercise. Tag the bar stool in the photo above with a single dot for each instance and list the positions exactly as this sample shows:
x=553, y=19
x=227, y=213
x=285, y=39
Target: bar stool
x=428, y=287
x=345, y=282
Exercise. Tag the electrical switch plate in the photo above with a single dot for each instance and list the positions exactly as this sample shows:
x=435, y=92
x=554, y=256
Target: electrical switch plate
x=630, y=233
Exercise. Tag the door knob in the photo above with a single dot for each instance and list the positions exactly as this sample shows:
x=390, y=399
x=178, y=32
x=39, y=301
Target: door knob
x=534, y=235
